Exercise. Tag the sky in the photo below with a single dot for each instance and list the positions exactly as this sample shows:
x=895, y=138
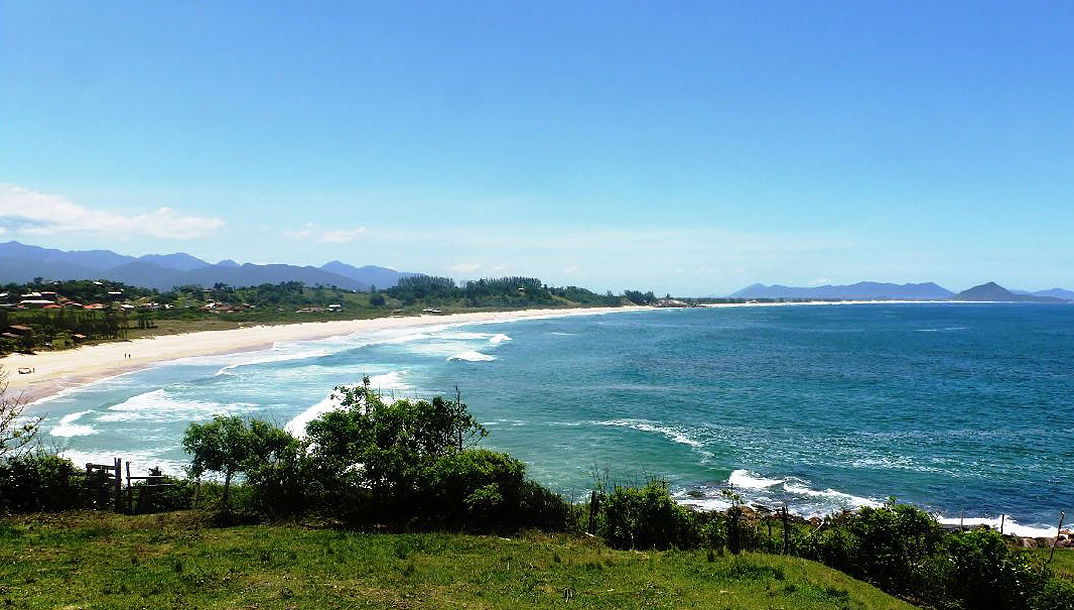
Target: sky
x=683, y=147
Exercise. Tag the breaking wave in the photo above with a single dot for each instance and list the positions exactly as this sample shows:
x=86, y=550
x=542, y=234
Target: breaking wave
x=67, y=427
x=472, y=356
x=161, y=406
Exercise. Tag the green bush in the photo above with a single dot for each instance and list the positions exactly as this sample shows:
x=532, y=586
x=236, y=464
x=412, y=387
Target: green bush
x=985, y=572
x=645, y=518
x=40, y=482
x=889, y=546
x=1056, y=594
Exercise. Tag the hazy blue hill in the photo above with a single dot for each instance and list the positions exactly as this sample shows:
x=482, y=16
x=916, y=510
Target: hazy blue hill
x=381, y=277
x=144, y=274
x=252, y=275
x=180, y=261
x=858, y=291
x=13, y=251
x=992, y=291
x=22, y=262
x=1056, y=293
x=24, y=271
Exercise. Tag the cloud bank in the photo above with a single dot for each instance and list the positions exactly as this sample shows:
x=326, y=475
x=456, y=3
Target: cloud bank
x=27, y=212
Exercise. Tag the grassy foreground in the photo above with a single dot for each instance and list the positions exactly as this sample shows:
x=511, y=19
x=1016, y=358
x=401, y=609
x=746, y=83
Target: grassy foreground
x=95, y=560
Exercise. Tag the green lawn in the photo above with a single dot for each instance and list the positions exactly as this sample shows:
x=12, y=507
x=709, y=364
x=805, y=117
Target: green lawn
x=92, y=560
x=1062, y=563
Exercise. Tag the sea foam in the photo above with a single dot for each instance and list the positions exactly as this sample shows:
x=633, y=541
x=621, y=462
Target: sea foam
x=67, y=427
x=387, y=384
x=675, y=434
x=472, y=356
x=162, y=406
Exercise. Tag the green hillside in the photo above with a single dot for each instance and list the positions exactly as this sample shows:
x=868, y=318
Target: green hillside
x=176, y=560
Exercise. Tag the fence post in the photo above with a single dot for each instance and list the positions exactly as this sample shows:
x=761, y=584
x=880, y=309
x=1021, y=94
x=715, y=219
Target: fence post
x=786, y=533
x=118, y=484
x=130, y=491
x=1059, y=528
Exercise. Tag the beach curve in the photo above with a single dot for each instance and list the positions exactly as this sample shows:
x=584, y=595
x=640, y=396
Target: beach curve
x=59, y=371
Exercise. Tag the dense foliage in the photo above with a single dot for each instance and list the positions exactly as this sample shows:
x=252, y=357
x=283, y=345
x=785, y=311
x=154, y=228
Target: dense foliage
x=404, y=463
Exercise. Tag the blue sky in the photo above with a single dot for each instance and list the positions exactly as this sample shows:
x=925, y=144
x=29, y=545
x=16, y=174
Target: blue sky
x=686, y=147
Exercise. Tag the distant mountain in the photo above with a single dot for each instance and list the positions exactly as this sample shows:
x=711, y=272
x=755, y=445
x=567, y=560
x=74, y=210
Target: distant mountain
x=372, y=275
x=866, y=291
x=13, y=252
x=1056, y=293
x=180, y=261
x=22, y=263
x=992, y=291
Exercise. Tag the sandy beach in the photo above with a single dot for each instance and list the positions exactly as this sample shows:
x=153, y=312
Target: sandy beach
x=55, y=372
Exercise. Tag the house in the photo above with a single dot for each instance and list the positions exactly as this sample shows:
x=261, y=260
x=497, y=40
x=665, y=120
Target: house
x=35, y=303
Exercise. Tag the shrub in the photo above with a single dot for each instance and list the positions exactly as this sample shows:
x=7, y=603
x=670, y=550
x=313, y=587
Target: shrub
x=39, y=481
x=1056, y=594
x=645, y=518
x=889, y=546
x=985, y=572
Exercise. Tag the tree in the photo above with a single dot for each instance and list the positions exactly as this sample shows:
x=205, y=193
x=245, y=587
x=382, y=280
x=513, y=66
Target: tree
x=384, y=450
x=16, y=431
x=231, y=445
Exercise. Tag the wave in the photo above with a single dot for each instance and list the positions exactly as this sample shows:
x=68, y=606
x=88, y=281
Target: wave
x=759, y=490
x=838, y=498
x=161, y=406
x=472, y=356
x=498, y=339
x=67, y=427
x=1010, y=526
x=297, y=425
x=387, y=384
x=749, y=480
x=642, y=425
x=945, y=329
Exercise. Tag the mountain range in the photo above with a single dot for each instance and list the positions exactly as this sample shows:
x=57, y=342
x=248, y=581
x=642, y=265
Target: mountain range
x=866, y=291
x=22, y=262
x=877, y=291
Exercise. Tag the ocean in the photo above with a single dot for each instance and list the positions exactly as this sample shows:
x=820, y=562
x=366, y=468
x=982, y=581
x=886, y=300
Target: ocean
x=964, y=409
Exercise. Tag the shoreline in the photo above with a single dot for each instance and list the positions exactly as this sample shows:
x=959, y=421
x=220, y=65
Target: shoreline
x=61, y=371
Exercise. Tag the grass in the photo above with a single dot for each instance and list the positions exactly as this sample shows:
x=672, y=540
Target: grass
x=94, y=560
x=1062, y=563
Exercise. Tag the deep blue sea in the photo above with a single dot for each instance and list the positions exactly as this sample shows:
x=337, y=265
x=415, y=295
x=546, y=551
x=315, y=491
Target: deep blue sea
x=955, y=407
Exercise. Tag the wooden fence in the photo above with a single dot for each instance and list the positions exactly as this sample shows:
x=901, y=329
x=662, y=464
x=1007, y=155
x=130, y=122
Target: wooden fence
x=106, y=490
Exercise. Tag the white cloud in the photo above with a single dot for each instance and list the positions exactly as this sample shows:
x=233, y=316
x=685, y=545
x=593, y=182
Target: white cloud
x=304, y=232
x=341, y=236
x=27, y=212
x=465, y=267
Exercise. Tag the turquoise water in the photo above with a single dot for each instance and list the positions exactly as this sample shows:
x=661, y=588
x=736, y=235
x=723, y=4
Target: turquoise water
x=956, y=407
